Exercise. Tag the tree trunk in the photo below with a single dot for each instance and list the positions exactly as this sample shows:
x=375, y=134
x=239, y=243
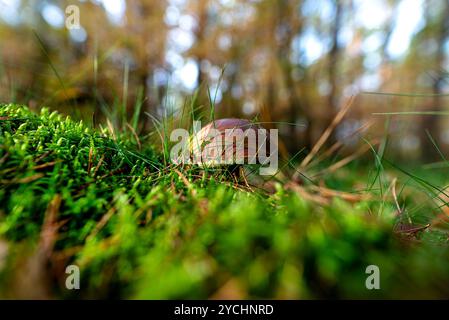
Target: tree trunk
x=431, y=123
x=334, y=56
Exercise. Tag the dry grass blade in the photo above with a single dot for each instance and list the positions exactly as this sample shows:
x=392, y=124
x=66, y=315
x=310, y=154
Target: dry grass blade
x=343, y=162
x=442, y=202
x=3, y=159
x=139, y=145
x=98, y=165
x=327, y=133
x=330, y=193
x=409, y=229
x=45, y=165
x=395, y=197
x=337, y=145
x=111, y=129
x=186, y=181
x=23, y=180
x=32, y=273
x=89, y=166
x=242, y=174
x=307, y=195
x=104, y=219
x=50, y=226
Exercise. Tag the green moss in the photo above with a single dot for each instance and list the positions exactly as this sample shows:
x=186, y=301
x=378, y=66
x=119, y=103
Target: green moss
x=137, y=231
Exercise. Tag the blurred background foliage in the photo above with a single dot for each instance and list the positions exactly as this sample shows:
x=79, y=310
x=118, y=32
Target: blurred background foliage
x=289, y=62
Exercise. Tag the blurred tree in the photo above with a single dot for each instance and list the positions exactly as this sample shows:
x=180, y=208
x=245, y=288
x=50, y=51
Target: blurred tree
x=283, y=61
x=432, y=123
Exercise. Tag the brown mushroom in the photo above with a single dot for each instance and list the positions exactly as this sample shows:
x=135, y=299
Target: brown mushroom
x=229, y=142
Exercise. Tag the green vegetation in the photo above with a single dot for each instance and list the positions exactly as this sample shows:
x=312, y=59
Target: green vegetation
x=138, y=228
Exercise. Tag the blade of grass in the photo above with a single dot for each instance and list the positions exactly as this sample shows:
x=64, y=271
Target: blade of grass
x=52, y=66
x=326, y=134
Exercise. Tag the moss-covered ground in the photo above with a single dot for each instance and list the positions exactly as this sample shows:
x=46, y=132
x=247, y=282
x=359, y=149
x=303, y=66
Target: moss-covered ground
x=138, y=227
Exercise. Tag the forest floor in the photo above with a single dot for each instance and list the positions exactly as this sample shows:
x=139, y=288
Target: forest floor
x=139, y=227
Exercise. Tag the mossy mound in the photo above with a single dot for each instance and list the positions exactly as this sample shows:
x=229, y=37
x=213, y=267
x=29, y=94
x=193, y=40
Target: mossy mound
x=139, y=229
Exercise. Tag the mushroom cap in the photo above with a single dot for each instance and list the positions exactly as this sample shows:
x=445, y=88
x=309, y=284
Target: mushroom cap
x=228, y=141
